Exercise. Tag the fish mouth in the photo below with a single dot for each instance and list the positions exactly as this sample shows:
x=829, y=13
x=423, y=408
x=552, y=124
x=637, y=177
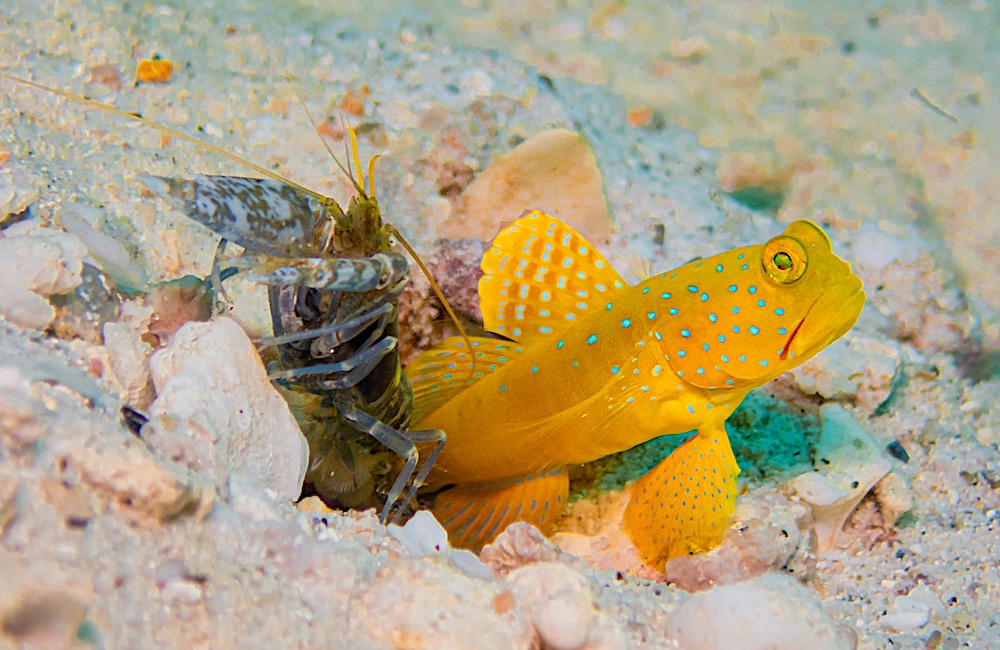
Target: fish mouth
x=829, y=317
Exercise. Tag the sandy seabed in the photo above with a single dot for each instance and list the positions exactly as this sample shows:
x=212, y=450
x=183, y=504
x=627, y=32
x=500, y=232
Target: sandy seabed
x=712, y=124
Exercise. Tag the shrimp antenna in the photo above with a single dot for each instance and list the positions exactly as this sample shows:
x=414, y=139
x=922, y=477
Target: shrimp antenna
x=352, y=153
x=180, y=135
x=267, y=173
x=313, y=122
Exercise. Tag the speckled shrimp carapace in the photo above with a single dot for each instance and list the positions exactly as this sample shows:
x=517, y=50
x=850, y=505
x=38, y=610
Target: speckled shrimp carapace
x=595, y=367
x=333, y=284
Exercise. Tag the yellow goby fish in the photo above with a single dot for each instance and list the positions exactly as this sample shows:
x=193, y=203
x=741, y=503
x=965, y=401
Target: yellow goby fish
x=595, y=366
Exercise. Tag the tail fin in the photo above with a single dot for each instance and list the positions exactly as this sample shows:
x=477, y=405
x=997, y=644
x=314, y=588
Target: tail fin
x=682, y=506
x=475, y=513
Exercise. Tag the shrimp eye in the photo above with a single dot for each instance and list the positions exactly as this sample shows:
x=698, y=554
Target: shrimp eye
x=784, y=259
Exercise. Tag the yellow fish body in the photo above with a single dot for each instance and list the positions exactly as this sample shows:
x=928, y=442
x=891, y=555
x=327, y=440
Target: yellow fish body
x=595, y=366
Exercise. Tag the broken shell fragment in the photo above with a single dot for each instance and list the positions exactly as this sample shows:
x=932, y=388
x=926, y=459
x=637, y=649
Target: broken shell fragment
x=554, y=171
x=848, y=464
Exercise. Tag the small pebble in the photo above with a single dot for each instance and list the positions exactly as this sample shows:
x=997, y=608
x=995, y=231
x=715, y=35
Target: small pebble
x=560, y=603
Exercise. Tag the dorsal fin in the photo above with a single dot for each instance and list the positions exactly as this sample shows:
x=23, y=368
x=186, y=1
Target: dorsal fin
x=540, y=277
x=440, y=373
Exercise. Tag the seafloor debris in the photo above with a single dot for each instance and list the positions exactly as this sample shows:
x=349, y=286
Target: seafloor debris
x=854, y=368
x=423, y=536
x=128, y=357
x=772, y=611
x=554, y=171
x=849, y=462
x=109, y=253
x=212, y=386
x=36, y=263
x=519, y=545
x=561, y=607
x=769, y=533
x=154, y=71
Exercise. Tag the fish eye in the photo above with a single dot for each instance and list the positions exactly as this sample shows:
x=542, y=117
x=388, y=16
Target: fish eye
x=784, y=259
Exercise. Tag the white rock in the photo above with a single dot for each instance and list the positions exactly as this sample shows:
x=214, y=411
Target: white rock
x=773, y=612
x=895, y=498
x=35, y=265
x=24, y=308
x=42, y=260
x=128, y=355
x=907, y=613
x=423, y=536
x=559, y=601
x=16, y=191
x=835, y=375
x=211, y=377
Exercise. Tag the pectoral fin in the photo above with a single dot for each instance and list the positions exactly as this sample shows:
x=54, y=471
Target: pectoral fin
x=475, y=513
x=683, y=505
x=440, y=373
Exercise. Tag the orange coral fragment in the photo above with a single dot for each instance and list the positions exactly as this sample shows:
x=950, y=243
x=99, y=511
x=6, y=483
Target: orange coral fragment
x=330, y=129
x=639, y=116
x=353, y=101
x=154, y=71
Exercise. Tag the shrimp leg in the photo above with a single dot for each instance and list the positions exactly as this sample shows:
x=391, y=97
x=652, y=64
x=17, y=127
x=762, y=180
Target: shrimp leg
x=403, y=444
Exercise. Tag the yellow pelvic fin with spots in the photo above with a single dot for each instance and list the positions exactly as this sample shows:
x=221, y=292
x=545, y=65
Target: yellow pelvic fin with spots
x=475, y=513
x=682, y=506
x=540, y=277
x=438, y=374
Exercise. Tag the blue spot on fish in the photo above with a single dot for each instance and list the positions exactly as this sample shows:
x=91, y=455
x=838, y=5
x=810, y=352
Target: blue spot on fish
x=592, y=339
